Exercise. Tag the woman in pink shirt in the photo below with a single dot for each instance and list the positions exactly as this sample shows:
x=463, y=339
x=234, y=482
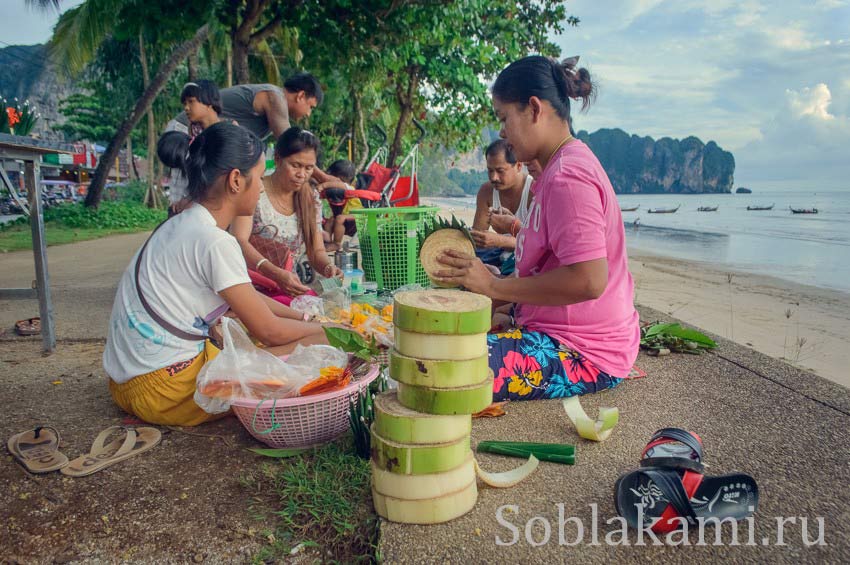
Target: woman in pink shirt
x=576, y=330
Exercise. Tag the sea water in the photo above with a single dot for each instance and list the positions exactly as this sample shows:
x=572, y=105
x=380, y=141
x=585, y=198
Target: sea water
x=806, y=249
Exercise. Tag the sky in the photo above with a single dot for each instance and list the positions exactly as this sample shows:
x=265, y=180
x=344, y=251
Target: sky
x=767, y=80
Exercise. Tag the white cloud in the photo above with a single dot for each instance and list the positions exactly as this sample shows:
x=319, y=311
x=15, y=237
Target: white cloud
x=792, y=39
x=803, y=144
x=767, y=80
x=813, y=102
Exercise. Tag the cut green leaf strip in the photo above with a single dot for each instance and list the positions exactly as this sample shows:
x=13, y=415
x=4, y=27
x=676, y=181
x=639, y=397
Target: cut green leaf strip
x=598, y=430
x=535, y=449
x=510, y=478
x=549, y=452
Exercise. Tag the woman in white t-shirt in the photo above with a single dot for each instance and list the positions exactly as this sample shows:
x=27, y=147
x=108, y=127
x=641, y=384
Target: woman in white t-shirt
x=186, y=276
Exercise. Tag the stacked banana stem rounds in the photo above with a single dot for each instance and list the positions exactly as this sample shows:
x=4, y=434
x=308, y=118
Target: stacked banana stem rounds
x=423, y=470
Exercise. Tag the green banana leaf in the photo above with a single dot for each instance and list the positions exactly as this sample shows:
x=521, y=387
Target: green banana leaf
x=675, y=330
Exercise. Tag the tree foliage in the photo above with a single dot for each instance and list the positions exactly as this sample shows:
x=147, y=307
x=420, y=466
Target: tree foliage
x=428, y=59
x=382, y=62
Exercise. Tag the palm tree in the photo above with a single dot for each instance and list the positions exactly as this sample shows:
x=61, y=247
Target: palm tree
x=78, y=35
x=143, y=104
x=43, y=5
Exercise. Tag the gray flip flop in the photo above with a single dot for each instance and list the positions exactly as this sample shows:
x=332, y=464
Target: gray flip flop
x=102, y=454
x=38, y=450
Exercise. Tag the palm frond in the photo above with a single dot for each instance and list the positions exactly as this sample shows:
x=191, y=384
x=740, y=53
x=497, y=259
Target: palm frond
x=43, y=5
x=288, y=38
x=80, y=31
x=264, y=51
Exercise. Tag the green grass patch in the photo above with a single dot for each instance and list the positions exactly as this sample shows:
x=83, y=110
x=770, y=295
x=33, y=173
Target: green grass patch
x=321, y=499
x=69, y=223
x=20, y=237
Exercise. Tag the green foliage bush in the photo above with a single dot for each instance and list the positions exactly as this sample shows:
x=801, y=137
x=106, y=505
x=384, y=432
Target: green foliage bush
x=109, y=215
x=133, y=191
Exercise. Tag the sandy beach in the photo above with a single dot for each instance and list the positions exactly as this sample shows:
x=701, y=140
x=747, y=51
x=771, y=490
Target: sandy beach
x=803, y=325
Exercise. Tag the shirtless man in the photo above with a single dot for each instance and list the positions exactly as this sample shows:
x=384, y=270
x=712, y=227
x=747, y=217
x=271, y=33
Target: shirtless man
x=266, y=109
x=508, y=190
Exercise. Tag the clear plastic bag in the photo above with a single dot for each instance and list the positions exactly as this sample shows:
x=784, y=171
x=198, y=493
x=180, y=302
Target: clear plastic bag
x=378, y=328
x=314, y=358
x=308, y=304
x=335, y=300
x=243, y=370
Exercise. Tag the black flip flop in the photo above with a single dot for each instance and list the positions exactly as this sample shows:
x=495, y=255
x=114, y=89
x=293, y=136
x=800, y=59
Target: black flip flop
x=659, y=496
x=673, y=448
x=671, y=484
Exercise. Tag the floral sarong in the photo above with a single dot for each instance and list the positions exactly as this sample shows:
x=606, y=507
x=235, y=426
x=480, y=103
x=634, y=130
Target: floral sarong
x=530, y=365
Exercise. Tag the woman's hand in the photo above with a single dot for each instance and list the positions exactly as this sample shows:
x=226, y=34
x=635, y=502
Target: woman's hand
x=502, y=220
x=331, y=271
x=289, y=283
x=466, y=271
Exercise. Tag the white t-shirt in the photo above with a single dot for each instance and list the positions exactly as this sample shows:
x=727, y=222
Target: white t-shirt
x=178, y=184
x=188, y=261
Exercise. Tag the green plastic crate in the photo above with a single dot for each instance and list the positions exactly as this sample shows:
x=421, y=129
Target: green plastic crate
x=389, y=244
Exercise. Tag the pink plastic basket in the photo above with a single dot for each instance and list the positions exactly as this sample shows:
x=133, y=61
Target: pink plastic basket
x=303, y=421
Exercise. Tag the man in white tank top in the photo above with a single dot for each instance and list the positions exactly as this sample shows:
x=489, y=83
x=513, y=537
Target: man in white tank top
x=509, y=188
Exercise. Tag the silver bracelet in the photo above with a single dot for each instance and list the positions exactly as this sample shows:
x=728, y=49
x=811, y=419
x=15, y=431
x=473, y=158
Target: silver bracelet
x=259, y=263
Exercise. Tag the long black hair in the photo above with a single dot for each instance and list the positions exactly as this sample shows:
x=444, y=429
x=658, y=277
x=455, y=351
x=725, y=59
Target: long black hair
x=216, y=151
x=548, y=80
x=292, y=141
x=205, y=91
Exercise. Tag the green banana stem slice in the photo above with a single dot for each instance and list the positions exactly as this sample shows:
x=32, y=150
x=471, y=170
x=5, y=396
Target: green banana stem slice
x=510, y=478
x=594, y=430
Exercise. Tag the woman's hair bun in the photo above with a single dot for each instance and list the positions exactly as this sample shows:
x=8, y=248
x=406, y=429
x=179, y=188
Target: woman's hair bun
x=173, y=149
x=579, y=84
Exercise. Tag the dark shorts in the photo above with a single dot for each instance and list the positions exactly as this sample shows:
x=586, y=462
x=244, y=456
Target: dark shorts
x=531, y=365
x=504, y=261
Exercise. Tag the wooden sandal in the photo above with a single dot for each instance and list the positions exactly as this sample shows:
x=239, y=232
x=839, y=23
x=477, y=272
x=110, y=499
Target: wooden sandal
x=104, y=454
x=38, y=450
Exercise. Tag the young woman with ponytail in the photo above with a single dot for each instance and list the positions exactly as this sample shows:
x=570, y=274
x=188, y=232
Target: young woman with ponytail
x=576, y=330
x=289, y=214
x=186, y=276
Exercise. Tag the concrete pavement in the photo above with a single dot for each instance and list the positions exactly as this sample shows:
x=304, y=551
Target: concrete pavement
x=756, y=415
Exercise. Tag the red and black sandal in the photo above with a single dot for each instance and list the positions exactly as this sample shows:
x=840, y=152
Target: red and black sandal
x=674, y=448
x=671, y=486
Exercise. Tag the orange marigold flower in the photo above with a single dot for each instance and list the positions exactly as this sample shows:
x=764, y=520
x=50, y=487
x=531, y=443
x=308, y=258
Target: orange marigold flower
x=14, y=116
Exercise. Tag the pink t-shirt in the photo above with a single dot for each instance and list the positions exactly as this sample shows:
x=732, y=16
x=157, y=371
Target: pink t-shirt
x=574, y=217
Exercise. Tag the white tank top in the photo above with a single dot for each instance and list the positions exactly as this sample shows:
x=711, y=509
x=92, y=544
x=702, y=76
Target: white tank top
x=522, y=210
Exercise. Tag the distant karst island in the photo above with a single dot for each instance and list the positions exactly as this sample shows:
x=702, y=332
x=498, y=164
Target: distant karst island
x=642, y=165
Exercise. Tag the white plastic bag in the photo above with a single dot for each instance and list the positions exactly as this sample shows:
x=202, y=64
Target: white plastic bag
x=314, y=358
x=308, y=304
x=243, y=370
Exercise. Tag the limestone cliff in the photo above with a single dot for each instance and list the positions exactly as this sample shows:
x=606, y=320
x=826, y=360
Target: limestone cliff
x=642, y=165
